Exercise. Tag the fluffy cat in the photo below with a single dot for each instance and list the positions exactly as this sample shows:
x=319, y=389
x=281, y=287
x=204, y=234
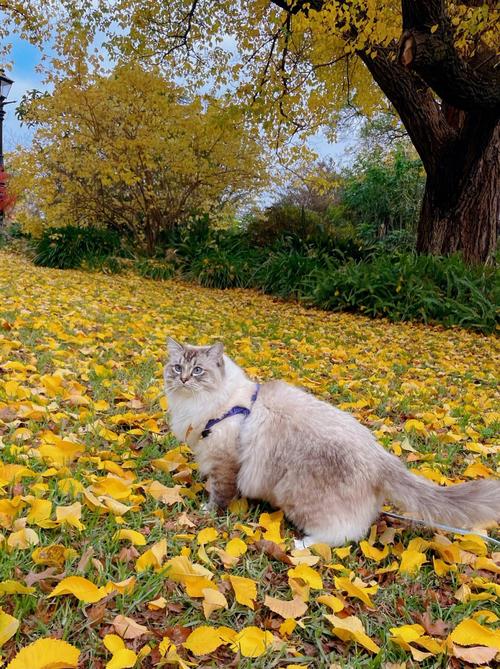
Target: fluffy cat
x=278, y=443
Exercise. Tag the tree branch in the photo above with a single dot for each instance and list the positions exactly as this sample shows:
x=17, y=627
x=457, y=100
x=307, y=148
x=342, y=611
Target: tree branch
x=418, y=109
x=434, y=57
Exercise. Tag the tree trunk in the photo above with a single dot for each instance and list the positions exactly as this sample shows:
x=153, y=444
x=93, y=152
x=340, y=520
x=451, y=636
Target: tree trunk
x=461, y=205
x=449, y=103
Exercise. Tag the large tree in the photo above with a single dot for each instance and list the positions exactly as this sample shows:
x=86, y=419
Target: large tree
x=299, y=62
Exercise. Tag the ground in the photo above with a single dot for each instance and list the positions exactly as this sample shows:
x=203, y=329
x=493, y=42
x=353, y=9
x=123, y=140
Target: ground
x=105, y=545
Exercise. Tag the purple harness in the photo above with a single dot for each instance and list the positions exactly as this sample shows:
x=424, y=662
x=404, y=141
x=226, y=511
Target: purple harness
x=232, y=412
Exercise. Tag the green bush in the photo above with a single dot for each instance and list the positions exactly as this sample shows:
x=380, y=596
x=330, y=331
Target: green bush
x=219, y=269
x=406, y=287
x=285, y=220
x=381, y=197
x=151, y=268
x=330, y=270
x=103, y=263
x=286, y=273
x=70, y=246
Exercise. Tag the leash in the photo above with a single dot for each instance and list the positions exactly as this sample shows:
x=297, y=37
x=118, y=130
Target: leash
x=447, y=528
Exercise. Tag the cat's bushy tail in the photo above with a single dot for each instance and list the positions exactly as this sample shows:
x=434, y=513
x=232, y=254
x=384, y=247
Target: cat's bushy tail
x=462, y=505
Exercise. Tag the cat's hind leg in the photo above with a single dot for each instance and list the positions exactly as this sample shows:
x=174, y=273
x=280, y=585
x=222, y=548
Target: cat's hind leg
x=337, y=522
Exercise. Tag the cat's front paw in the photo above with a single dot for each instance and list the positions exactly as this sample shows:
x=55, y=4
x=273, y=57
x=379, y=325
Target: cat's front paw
x=208, y=507
x=305, y=542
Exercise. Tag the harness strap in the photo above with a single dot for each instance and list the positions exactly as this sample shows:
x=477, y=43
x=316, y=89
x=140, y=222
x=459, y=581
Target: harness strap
x=232, y=412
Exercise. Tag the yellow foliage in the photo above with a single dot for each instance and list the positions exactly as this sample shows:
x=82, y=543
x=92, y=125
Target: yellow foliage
x=135, y=149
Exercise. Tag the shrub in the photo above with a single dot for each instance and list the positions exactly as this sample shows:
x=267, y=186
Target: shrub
x=219, y=269
x=382, y=195
x=409, y=287
x=285, y=273
x=105, y=264
x=151, y=268
x=70, y=246
x=284, y=220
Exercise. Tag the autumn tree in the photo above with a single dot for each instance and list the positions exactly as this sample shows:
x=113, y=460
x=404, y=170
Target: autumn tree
x=135, y=152
x=301, y=61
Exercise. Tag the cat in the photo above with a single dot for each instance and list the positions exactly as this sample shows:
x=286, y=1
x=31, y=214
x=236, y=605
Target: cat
x=278, y=443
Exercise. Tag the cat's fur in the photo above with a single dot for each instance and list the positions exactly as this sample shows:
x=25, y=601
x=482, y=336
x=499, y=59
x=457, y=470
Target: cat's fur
x=318, y=464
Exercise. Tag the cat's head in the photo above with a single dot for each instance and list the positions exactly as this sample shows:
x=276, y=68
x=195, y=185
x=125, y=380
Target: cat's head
x=193, y=368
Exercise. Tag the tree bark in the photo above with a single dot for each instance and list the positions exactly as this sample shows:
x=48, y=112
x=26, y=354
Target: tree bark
x=460, y=151
x=461, y=205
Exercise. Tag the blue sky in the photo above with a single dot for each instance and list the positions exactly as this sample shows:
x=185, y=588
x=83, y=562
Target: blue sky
x=25, y=58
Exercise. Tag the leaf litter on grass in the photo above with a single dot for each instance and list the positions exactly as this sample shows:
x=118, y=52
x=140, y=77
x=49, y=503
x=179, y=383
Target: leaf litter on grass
x=107, y=559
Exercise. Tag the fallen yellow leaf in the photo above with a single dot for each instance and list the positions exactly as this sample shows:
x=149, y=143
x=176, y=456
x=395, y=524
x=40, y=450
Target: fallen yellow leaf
x=245, y=590
x=351, y=629
x=46, y=654
x=286, y=608
x=79, y=587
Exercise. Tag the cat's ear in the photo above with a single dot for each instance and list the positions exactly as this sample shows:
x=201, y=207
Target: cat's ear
x=174, y=348
x=215, y=352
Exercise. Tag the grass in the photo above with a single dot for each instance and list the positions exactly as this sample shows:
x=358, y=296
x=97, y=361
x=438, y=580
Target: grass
x=78, y=350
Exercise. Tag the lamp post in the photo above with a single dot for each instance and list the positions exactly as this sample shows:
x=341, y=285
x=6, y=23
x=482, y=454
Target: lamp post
x=5, y=86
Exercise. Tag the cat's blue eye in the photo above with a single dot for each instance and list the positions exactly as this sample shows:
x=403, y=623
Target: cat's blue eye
x=177, y=369
x=197, y=371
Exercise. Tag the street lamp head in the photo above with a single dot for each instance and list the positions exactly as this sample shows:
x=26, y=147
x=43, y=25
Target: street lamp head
x=5, y=84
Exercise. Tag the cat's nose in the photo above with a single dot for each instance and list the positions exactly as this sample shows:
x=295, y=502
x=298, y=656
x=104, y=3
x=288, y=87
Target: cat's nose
x=184, y=379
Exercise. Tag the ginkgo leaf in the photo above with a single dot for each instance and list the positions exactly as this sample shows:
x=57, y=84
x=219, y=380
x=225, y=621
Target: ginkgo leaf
x=343, y=584
x=245, y=590
x=212, y=601
x=54, y=555
x=131, y=535
x=287, y=627
x=304, y=556
x=408, y=632
x=372, y=552
x=79, y=587
x=46, y=654
x=415, y=425
x=10, y=587
x=411, y=561
x=112, y=487
x=157, y=604
x=40, y=513
x=207, y=535
x=204, y=640
x=152, y=557
x=487, y=564
x=474, y=654
x=308, y=575
x=285, y=608
x=335, y=603
x=70, y=515
x=252, y=641
x=271, y=522
x=113, y=642
x=164, y=494
x=22, y=539
x=351, y=629
x=236, y=547
x=8, y=626
x=470, y=633
x=128, y=628
x=122, y=659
